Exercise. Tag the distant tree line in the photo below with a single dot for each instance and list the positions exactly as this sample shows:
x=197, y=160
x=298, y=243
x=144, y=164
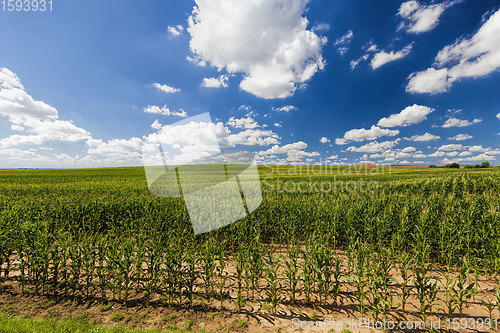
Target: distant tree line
x=457, y=166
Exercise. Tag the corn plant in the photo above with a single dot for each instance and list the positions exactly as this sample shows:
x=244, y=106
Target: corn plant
x=497, y=294
x=222, y=277
x=307, y=276
x=271, y=267
x=88, y=263
x=209, y=256
x=449, y=299
x=385, y=264
x=406, y=275
x=463, y=290
x=360, y=279
x=256, y=267
x=101, y=271
x=337, y=276
x=190, y=274
x=374, y=295
x=292, y=271
x=322, y=260
x=153, y=269
x=425, y=286
x=239, y=279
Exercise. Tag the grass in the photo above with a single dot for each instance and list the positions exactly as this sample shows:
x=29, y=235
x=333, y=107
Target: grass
x=117, y=316
x=105, y=307
x=169, y=317
x=9, y=324
x=241, y=323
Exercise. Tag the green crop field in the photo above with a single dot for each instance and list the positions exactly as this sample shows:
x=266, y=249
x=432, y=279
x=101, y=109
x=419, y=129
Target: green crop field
x=383, y=241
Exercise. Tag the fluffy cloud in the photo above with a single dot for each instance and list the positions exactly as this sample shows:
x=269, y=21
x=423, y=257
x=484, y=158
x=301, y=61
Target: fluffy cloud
x=164, y=110
x=248, y=123
x=451, y=147
x=40, y=120
x=18, y=105
x=477, y=149
x=365, y=134
x=165, y=88
x=321, y=27
x=478, y=158
x=419, y=18
x=423, y=137
x=481, y=149
x=176, y=31
x=118, y=148
x=324, y=140
x=454, y=122
x=461, y=137
x=253, y=137
x=408, y=150
x=383, y=57
x=498, y=115
x=215, y=82
x=392, y=155
x=473, y=57
x=267, y=41
x=485, y=154
x=374, y=147
x=294, y=151
x=410, y=115
x=286, y=108
x=156, y=125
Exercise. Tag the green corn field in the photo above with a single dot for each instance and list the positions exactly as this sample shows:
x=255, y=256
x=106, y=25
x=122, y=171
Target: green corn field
x=417, y=241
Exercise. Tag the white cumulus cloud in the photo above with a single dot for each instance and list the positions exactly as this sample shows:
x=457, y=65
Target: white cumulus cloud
x=267, y=41
x=461, y=137
x=165, y=88
x=363, y=134
x=410, y=115
x=164, y=110
x=423, y=137
x=39, y=120
x=374, y=147
x=294, y=151
x=285, y=108
x=247, y=122
x=383, y=57
x=176, y=31
x=215, y=82
x=471, y=57
x=451, y=147
x=324, y=140
x=418, y=18
x=455, y=122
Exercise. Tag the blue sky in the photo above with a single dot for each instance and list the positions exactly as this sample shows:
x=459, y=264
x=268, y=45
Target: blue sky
x=391, y=82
